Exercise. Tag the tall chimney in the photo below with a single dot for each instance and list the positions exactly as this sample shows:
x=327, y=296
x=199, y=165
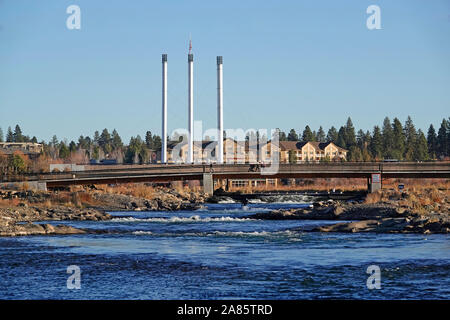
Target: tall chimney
x=190, y=158
x=164, y=110
x=220, y=108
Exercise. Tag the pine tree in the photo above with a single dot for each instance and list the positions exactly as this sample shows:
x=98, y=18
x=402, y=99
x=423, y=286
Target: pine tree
x=341, y=138
x=376, y=145
x=307, y=134
x=410, y=138
x=292, y=136
x=72, y=146
x=64, y=152
x=9, y=135
x=421, y=148
x=54, y=141
x=388, y=139
x=350, y=136
x=116, y=140
x=157, y=142
x=96, y=138
x=321, y=135
x=1, y=135
x=281, y=135
x=398, y=139
x=332, y=135
x=360, y=139
x=104, y=141
x=17, y=135
x=432, y=141
x=442, y=139
x=149, y=139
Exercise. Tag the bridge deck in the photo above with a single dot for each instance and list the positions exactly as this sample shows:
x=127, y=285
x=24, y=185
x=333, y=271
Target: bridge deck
x=113, y=174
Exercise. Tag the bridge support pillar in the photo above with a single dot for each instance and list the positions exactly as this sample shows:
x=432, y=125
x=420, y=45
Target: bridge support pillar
x=208, y=184
x=374, y=182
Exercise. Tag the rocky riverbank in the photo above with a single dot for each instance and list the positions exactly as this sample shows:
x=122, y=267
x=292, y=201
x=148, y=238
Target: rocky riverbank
x=17, y=221
x=392, y=215
x=160, y=200
x=19, y=209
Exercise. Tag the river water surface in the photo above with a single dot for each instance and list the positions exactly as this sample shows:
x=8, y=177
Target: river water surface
x=219, y=253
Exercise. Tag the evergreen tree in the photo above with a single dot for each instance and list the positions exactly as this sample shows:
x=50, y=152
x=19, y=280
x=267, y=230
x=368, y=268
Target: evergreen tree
x=376, y=145
x=1, y=135
x=432, y=142
x=442, y=139
x=116, y=140
x=54, y=141
x=350, y=136
x=157, y=142
x=136, y=151
x=321, y=135
x=361, y=139
x=149, y=139
x=341, y=138
x=9, y=135
x=82, y=143
x=96, y=138
x=398, y=139
x=34, y=139
x=388, y=139
x=281, y=135
x=332, y=135
x=64, y=152
x=307, y=134
x=72, y=146
x=410, y=138
x=17, y=135
x=421, y=149
x=104, y=141
x=292, y=136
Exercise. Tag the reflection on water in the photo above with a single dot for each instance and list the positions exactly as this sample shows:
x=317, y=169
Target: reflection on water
x=218, y=252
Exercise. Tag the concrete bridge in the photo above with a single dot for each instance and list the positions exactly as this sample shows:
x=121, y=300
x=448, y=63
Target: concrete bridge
x=374, y=172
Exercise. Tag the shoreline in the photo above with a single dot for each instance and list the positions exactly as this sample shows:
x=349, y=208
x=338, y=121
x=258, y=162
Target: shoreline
x=375, y=218
x=392, y=214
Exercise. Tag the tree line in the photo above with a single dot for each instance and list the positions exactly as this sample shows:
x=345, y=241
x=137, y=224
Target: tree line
x=104, y=145
x=391, y=140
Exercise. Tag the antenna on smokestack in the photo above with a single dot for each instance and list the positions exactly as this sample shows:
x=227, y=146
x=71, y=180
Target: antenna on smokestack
x=190, y=44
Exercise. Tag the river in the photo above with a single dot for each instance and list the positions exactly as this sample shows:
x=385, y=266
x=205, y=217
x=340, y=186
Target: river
x=219, y=253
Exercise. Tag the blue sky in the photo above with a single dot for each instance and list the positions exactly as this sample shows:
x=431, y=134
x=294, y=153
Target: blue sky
x=286, y=64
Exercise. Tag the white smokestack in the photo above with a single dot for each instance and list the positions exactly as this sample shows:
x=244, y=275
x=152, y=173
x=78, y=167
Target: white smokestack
x=220, y=107
x=164, y=110
x=190, y=158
